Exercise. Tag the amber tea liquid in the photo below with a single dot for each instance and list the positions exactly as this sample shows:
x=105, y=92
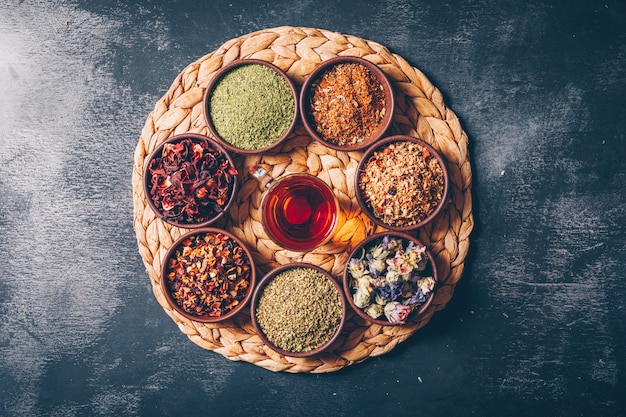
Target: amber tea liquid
x=300, y=212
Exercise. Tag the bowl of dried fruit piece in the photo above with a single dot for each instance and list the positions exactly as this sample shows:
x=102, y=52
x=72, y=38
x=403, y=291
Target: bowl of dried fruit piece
x=401, y=183
x=298, y=309
x=190, y=180
x=390, y=278
x=346, y=103
x=208, y=275
x=250, y=106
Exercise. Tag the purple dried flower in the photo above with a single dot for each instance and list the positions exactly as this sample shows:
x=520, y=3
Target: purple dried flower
x=418, y=298
x=396, y=290
x=384, y=292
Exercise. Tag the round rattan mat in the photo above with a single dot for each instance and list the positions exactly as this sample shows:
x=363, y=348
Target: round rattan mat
x=420, y=111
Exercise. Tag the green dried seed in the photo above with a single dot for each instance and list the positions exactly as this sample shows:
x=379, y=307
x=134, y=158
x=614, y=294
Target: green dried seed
x=299, y=310
x=251, y=107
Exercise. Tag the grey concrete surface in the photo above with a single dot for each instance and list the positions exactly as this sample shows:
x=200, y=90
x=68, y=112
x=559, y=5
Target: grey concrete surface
x=536, y=326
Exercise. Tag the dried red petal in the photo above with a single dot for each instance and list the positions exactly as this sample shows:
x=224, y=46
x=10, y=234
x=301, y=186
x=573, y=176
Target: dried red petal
x=191, y=181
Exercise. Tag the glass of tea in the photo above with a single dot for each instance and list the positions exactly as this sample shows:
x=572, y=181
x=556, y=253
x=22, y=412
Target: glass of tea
x=298, y=211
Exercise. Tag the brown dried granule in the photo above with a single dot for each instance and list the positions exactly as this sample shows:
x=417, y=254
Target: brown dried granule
x=347, y=104
x=402, y=183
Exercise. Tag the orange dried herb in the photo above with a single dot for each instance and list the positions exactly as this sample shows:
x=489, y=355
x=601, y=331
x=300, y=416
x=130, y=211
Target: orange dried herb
x=209, y=274
x=347, y=104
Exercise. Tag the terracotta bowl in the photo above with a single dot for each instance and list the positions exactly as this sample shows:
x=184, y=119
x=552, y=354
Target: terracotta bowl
x=287, y=320
x=383, y=284
x=386, y=188
x=251, y=112
x=178, y=273
x=183, y=214
x=313, y=118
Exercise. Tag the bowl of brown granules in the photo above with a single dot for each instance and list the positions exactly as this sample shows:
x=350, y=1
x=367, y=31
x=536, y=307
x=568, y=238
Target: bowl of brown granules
x=208, y=275
x=250, y=106
x=346, y=103
x=298, y=310
x=401, y=183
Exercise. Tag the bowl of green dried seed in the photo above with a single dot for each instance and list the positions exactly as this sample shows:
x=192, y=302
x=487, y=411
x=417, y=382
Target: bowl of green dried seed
x=298, y=310
x=250, y=106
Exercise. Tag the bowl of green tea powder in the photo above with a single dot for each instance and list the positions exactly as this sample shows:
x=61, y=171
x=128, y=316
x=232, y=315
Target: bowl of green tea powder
x=250, y=106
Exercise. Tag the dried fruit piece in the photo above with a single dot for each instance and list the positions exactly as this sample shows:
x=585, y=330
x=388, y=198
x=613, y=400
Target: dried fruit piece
x=208, y=274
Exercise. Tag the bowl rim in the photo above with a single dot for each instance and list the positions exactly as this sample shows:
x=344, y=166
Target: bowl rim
x=319, y=70
x=218, y=76
x=383, y=142
x=268, y=278
x=416, y=314
x=146, y=179
x=204, y=319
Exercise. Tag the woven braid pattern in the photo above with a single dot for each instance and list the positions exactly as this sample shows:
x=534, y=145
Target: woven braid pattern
x=420, y=111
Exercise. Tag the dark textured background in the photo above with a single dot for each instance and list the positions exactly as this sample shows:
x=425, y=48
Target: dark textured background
x=537, y=324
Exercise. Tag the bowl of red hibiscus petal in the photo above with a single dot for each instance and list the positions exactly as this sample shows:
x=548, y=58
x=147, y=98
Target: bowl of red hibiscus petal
x=401, y=183
x=190, y=180
x=208, y=275
x=298, y=310
x=390, y=279
x=346, y=103
x=250, y=106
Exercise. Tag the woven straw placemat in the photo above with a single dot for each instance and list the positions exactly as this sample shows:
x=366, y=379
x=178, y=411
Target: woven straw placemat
x=420, y=111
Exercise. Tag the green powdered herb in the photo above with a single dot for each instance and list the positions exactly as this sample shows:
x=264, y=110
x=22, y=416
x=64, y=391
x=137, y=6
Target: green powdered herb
x=251, y=107
x=299, y=310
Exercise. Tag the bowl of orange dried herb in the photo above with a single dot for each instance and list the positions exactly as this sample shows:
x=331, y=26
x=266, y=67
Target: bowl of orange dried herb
x=208, y=275
x=190, y=180
x=347, y=103
x=401, y=183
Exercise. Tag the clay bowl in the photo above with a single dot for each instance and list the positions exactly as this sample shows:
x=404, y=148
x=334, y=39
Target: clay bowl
x=383, y=285
x=179, y=272
x=323, y=104
x=293, y=331
x=261, y=97
x=395, y=184
x=183, y=213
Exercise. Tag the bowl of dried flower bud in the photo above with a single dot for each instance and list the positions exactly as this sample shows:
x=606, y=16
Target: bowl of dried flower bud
x=346, y=103
x=208, y=275
x=190, y=180
x=250, y=106
x=298, y=309
x=401, y=183
x=390, y=278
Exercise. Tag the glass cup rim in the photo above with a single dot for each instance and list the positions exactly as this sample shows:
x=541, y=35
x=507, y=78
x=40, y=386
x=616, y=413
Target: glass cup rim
x=267, y=193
